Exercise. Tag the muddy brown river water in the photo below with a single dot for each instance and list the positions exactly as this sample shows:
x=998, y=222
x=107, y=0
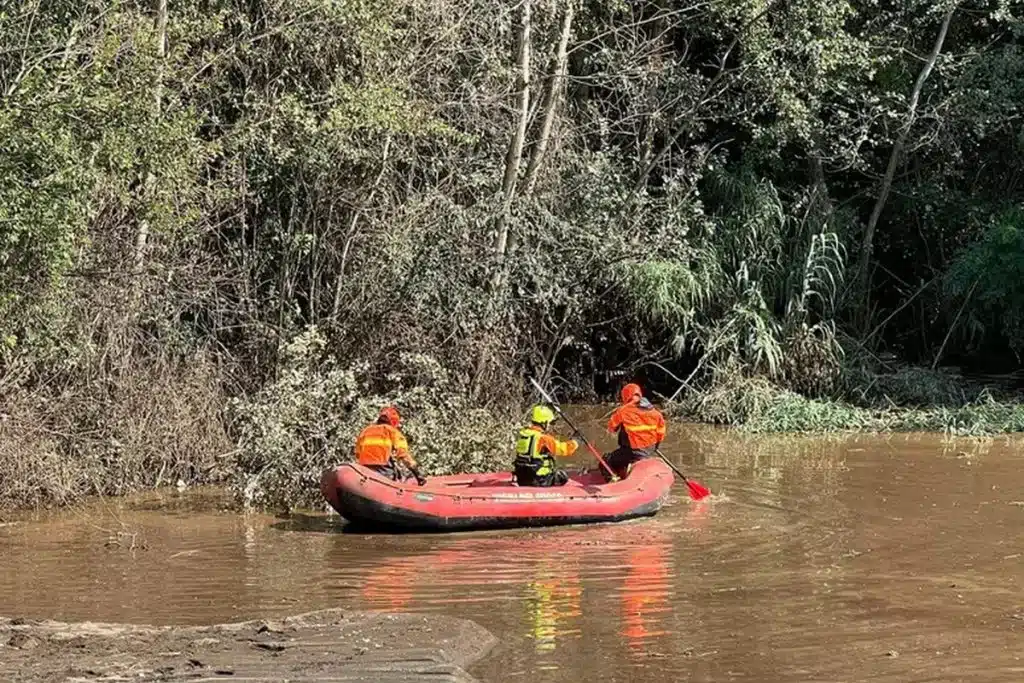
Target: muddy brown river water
x=866, y=558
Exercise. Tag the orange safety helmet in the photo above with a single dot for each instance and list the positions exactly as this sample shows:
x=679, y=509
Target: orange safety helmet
x=390, y=415
x=630, y=391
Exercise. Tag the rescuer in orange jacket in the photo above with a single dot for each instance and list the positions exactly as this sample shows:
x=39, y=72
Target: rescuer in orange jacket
x=640, y=428
x=536, y=451
x=378, y=445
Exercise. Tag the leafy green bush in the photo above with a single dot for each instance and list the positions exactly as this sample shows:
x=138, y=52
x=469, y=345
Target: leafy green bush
x=983, y=417
x=308, y=419
x=791, y=412
x=987, y=280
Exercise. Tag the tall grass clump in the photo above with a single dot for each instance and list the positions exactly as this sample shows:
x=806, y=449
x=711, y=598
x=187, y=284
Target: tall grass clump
x=159, y=425
x=757, y=405
x=756, y=300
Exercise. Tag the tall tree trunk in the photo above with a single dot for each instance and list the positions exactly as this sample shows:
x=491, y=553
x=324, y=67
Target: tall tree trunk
x=894, y=157
x=513, y=159
x=549, y=104
x=142, y=233
x=821, y=209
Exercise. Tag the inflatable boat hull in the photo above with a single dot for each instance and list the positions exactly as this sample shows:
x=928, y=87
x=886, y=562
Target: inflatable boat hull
x=492, y=501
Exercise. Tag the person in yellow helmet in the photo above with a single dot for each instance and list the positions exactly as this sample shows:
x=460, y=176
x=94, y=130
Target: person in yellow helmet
x=536, y=451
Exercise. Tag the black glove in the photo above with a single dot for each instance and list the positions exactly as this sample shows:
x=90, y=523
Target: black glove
x=420, y=479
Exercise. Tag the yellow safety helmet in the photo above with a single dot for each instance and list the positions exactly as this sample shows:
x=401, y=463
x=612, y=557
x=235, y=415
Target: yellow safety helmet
x=541, y=414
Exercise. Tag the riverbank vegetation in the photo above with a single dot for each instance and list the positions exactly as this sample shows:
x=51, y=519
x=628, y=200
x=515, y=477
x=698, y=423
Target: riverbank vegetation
x=756, y=405
x=231, y=230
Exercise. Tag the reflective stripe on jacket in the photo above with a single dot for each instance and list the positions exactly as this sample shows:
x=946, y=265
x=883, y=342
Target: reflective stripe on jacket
x=640, y=425
x=378, y=443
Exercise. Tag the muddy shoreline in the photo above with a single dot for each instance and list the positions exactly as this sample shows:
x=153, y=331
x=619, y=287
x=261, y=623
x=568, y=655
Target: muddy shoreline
x=327, y=645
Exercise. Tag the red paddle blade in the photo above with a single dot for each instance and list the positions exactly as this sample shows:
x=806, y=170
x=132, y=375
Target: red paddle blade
x=697, y=491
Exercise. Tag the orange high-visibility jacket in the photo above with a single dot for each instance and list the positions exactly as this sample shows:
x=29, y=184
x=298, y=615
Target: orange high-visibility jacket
x=535, y=443
x=639, y=424
x=378, y=443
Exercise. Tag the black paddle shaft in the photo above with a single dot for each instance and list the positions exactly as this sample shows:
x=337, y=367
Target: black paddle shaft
x=574, y=428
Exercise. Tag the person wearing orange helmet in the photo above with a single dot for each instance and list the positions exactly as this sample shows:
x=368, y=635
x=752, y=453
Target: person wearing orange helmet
x=640, y=428
x=381, y=443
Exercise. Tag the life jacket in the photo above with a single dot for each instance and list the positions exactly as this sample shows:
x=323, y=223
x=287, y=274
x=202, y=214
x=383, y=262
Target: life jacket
x=529, y=455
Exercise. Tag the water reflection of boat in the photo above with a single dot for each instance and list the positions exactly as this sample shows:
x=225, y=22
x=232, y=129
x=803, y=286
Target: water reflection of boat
x=390, y=589
x=645, y=595
x=567, y=581
x=553, y=600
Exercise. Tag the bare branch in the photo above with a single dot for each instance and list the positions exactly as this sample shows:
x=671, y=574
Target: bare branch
x=897, y=150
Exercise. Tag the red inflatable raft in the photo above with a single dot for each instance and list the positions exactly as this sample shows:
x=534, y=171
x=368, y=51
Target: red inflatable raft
x=489, y=501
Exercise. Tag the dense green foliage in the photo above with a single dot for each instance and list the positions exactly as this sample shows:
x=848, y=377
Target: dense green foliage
x=694, y=193
x=293, y=426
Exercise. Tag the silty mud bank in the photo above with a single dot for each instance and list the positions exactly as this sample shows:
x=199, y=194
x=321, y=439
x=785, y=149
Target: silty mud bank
x=322, y=646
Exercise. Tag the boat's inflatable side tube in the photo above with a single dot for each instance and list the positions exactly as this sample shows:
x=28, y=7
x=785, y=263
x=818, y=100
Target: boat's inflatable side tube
x=489, y=501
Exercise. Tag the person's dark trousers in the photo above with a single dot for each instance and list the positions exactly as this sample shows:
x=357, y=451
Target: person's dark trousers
x=388, y=471
x=620, y=459
x=525, y=477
